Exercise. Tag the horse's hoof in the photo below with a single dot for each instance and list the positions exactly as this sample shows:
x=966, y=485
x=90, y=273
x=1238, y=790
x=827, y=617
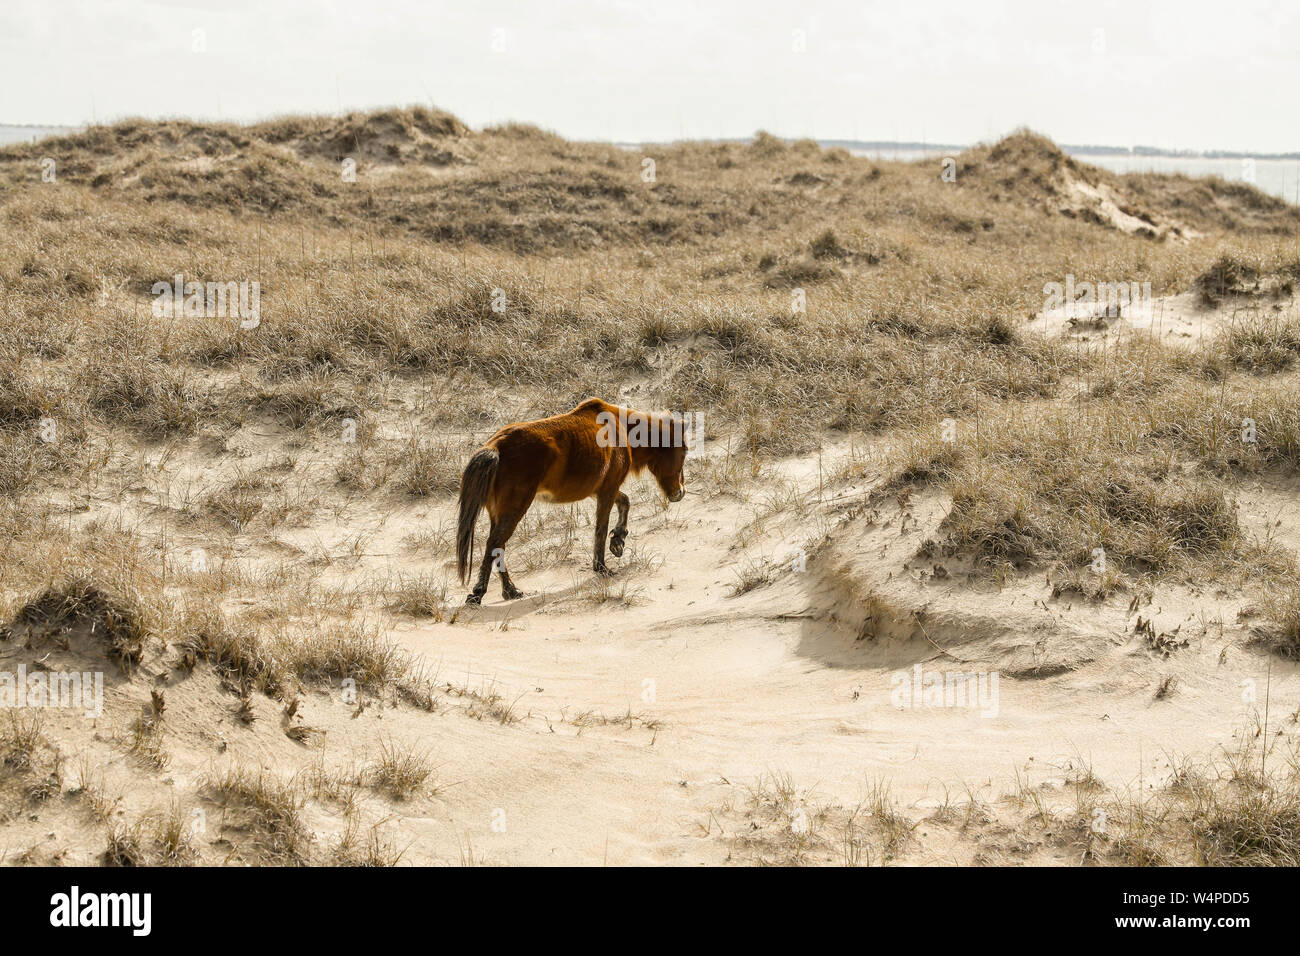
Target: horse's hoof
x=602, y=571
x=512, y=594
x=616, y=544
x=474, y=599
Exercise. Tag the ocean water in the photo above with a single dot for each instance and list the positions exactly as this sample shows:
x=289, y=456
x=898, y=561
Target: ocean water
x=27, y=134
x=1279, y=177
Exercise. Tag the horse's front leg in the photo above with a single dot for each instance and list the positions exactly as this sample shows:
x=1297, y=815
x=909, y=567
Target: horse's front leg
x=619, y=535
x=603, y=504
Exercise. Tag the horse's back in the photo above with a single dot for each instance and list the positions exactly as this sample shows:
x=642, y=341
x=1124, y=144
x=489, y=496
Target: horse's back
x=573, y=429
x=559, y=456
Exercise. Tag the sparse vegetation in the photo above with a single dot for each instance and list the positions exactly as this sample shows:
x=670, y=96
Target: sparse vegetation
x=398, y=771
x=236, y=514
x=119, y=621
x=268, y=809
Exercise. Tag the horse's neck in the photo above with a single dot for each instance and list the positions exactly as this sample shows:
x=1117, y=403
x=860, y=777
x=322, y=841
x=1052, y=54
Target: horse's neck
x=639, y=455
x=649, y=456
x=642, y=450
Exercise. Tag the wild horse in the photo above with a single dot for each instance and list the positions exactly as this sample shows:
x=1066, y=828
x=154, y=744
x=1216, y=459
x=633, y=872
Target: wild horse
x=585, y=453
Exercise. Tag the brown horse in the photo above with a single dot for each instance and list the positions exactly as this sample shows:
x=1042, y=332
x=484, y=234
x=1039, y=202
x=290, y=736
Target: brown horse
x=585, y=453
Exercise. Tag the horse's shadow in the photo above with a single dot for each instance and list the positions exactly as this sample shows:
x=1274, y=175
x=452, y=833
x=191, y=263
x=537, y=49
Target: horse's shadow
x=519, y=607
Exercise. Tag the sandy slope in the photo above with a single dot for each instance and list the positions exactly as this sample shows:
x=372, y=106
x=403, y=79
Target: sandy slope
x=630, y=721
x=776, y=681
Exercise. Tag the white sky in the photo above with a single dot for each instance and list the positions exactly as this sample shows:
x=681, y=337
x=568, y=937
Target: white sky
x=1174, y=73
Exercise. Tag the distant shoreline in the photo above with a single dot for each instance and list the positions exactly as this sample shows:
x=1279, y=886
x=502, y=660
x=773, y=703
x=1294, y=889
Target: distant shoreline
x=909, y=146
x=1144, y=152
x=856, y=145
x=21, y=126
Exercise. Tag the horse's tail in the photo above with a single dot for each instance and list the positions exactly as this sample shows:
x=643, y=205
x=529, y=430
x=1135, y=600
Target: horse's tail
x=475, y=484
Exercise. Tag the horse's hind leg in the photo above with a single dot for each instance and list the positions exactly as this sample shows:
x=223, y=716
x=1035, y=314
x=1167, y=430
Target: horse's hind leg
x=619, y=535
x=503, y=526
x=503, y=529
x=491, y=555
x=508, y=589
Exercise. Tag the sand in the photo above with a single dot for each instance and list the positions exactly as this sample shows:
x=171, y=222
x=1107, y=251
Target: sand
x=650, y=719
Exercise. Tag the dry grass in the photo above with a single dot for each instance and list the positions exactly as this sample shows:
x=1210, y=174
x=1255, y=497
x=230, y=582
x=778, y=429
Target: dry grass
x=1282, y=605
x=783, y=825
x=1222, y=812
x=398, y=771
x=121, y=621
x=418, y=596
x=431, y=469
x=542, y=273
x=373, y=850
x=21, y=741
x=264, y=809
x=1122, y=487
x=563, y=325
x=148, y=741
x=795, y=295
x=1250, y=829
x=157, y=838
x=31, y=766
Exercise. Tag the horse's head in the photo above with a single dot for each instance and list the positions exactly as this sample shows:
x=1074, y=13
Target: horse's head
x=669, y=465
x=672, y=478
x=658, y=443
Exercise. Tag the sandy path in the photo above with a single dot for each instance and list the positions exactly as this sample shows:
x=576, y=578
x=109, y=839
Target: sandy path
x=736, y=688
x=641, y=714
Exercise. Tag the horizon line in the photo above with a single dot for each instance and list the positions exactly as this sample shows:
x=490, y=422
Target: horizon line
x=1102, y=149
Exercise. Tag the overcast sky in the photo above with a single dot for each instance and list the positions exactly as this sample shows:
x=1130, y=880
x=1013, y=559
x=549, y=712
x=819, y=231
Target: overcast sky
x=1173, y=73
